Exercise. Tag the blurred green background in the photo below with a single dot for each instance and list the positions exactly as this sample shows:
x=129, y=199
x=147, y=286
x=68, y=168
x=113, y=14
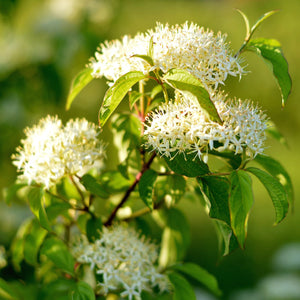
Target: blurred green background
x=44, y=43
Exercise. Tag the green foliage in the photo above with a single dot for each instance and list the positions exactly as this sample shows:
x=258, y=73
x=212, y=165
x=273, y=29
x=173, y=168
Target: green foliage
x=240, y=203
x=271, y=51
x=36, y=198
x=187, y=83
x=275, y=190
x=71, y=206
x=33, y=242
x=216, y=190
x=82, y=291
x=93, y=228
x=175, y=187
x=187, y=165
x=175, y=237
x=146, y=187
x=201, y=275
x=278, y=171
x=91, y=185
x=182, y=289
x=79, y=82
x=114, y=182
x=57, y=252
x=6, y=291
x=116, y=93
x=9, y=193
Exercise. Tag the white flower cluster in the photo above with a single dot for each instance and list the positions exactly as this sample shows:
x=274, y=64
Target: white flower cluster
x=183, y=127
x=125, y=260
x=51, y=150
x=186, y=46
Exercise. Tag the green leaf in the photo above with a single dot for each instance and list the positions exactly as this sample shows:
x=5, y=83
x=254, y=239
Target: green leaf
x=114, y=182
x=56, y=209
x=187, y=165
x=78, y=83
x=7, y=292
x=234, y=160
x=91, y=185
x=57, y=252
x=33, y=241
x=176, y=187
x=227, y=240
x=199, y=274
x=155, y=91
x=182, y=289
x=185, y=82
x=175, y=237
x=57, y=289
x=36, y=203
x=127, y=128
x=10, y=192
x=261, y=19
x=278, y=171
x=134, y=96
x=216, y=189
x=275, y=190
x=247, y=23
x=240, y=203
x=82, y=291
x=17, y=246
x=116, y=93
x=146, y=58
x=93, y=228
x=271, y=51
x=146, y=185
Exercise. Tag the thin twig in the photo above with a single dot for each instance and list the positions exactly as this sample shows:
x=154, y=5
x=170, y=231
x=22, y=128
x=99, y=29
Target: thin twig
x=145, y=167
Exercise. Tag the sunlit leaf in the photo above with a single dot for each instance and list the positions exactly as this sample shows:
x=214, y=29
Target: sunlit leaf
x=275, y=190
x=116, y=93
x=201, y=275
x=240, y=203
x=185, y=82
x=271, y=51
x=78, y=83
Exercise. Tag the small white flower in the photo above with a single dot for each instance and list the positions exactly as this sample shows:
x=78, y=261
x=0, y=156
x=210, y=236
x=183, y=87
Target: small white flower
x=182, y=127
x=186, y=46
x=51, y=150
x=126, y=261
